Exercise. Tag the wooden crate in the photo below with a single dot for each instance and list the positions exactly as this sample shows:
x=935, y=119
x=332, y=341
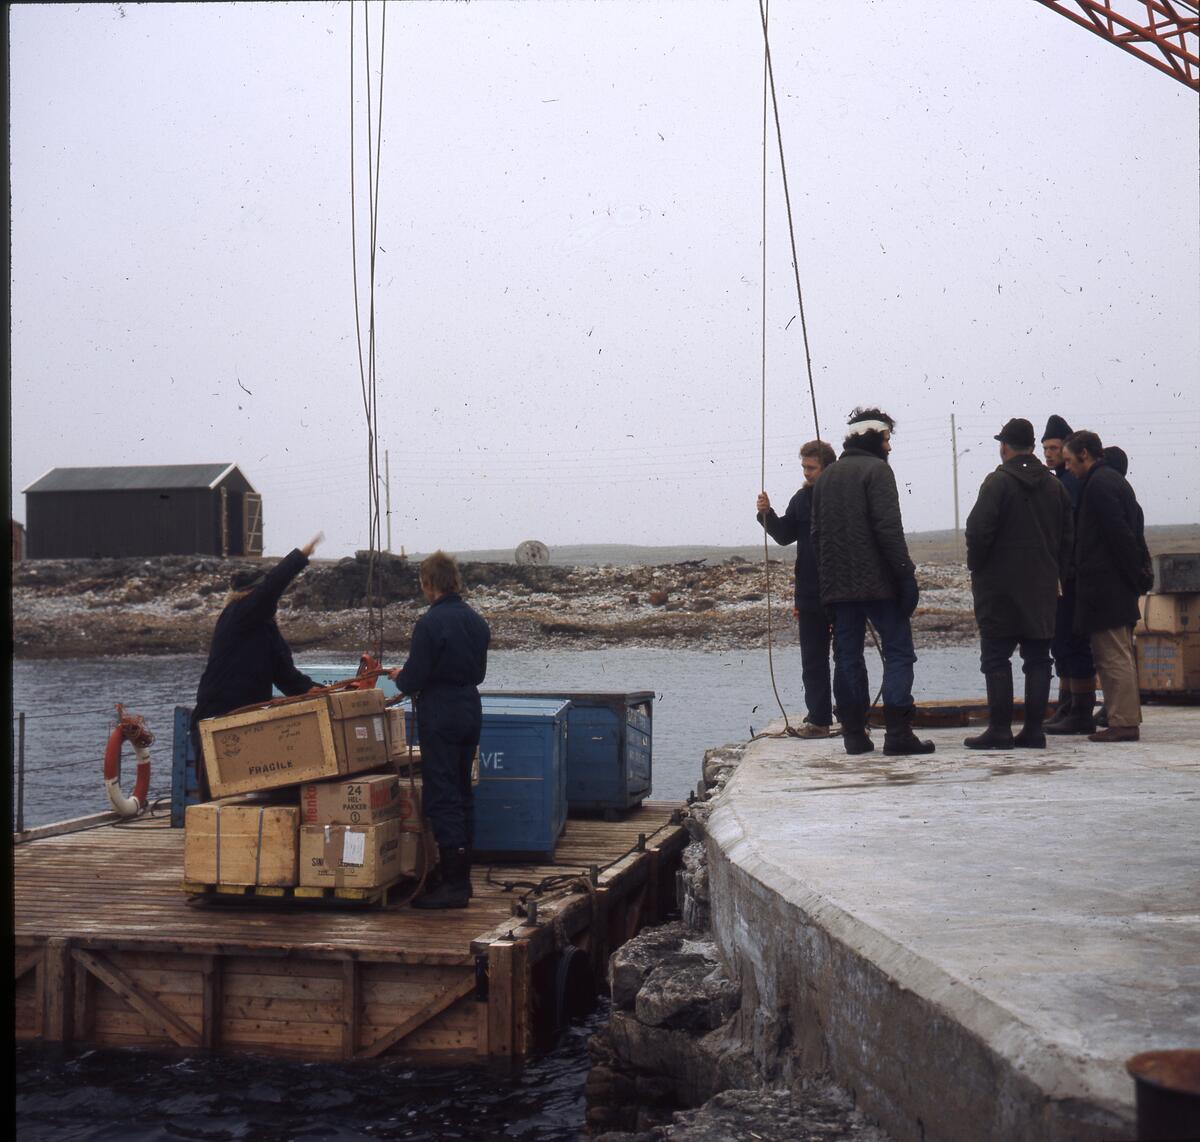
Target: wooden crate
x=234, y=842
x=321, y=737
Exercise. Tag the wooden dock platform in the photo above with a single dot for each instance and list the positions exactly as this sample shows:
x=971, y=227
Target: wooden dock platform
x=110, y=951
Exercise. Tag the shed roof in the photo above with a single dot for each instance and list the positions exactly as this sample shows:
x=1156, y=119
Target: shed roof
x=145, y=477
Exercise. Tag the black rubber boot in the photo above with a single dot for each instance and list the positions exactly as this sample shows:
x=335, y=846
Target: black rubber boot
x=1079, y=720
x=854, y=731
x=1037, y=698
x=454, y=891
x=1064, y=704
x=898, y=738
x=998, y=734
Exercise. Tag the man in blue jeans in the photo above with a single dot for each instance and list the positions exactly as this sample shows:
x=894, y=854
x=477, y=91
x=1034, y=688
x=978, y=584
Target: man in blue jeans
x=866, y=575
x=795, y=526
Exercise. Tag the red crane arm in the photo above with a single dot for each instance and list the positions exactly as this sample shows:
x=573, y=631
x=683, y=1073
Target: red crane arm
x=1163, y=33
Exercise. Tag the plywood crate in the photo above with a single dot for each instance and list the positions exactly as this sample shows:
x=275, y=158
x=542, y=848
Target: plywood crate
x=323, y=736
x=1168, y=663
x=1170, y=614
x=240, y=840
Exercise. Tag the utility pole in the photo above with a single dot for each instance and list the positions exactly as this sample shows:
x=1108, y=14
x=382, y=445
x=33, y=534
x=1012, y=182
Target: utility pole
x=954, y=455
x=387, y=489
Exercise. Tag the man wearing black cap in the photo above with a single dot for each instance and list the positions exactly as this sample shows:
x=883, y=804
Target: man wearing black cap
x=1072, y=652
x=248, y=654
x=1019, y=537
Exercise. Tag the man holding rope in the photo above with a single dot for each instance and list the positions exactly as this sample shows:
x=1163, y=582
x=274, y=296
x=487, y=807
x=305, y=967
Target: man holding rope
x=795, y=526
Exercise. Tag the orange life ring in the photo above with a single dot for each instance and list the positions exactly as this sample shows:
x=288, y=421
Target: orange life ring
x=131, y=728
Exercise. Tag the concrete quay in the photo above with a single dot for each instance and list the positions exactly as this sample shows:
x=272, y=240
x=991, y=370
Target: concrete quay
x=971, y=943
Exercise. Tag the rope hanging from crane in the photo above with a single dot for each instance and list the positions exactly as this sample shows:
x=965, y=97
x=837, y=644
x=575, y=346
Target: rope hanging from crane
x=769, y=95
x=366, y=361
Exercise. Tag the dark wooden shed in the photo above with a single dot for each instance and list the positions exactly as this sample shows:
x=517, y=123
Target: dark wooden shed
x=162, y=509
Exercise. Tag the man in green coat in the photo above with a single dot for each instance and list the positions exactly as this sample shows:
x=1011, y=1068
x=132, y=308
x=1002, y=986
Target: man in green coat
x=1019, y=536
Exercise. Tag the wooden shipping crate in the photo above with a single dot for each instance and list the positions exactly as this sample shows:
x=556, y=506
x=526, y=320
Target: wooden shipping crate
x=358, y=856
x=1168, y=663
x=241, y=841
x=1170, y=614
x=323, y=736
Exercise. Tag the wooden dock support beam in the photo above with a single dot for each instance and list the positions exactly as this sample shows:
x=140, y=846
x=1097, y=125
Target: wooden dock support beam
x=212, y=1003
x=57, y=981
x=350, y=1008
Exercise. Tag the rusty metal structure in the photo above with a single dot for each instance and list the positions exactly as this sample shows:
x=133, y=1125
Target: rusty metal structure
x=1163, y=33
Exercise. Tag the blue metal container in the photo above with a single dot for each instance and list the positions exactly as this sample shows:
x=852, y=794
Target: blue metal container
x=185, y=770
x=610, y=748
x=521, y=798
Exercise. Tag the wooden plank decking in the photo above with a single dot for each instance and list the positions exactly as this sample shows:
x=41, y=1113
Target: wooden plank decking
x=109, y=950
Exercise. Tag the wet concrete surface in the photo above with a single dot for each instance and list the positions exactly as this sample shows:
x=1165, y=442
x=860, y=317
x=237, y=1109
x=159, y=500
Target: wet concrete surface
x=972, y=942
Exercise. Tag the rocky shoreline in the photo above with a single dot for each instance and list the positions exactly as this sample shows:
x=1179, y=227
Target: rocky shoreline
x=673, y=1061
x=168, y=605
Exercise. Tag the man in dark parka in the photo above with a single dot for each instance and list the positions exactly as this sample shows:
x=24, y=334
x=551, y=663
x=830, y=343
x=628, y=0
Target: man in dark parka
x=795, y=526
x=1112, y=571
x=1019, y=537
x=248, y=655
x=866, y=574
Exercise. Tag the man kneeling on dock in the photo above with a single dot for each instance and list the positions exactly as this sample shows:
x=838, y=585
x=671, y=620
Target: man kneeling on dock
x=1018, y=546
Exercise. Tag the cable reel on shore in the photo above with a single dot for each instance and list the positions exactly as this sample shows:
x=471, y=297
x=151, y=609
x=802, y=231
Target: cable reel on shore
x=131, y=728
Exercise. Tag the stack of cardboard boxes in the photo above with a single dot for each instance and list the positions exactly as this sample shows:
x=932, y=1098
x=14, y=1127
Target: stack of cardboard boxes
x=1168, y=636
x=306, y=794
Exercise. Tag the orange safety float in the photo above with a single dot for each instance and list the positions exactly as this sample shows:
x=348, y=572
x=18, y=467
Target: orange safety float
x=131, y=728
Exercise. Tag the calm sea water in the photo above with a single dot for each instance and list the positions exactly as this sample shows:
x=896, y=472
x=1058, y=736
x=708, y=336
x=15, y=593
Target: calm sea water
x=702, y=699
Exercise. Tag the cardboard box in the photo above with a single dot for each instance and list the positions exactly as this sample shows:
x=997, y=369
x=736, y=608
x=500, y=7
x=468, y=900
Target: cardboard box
x=361, y=801
x=1170, y=614
x=358, y=856
x=359, y=738
x=241, y=840
x=325, y=736
x=395, y=727
x=1168, y=662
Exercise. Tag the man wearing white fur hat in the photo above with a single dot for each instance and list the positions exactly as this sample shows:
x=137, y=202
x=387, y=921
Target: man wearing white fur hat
x=866, y=574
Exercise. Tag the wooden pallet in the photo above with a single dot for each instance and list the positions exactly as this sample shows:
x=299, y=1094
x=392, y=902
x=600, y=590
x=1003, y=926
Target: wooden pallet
x=393, y=894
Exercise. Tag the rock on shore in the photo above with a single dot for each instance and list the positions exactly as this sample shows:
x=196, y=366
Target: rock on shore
x=168, y=605
x=673, y=1062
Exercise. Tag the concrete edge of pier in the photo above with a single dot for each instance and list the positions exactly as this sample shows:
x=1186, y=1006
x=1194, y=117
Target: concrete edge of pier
x=920, y=1042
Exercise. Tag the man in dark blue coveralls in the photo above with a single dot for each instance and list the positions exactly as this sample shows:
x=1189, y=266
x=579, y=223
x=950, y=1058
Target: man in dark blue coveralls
x=446, y=663
x=248, y=655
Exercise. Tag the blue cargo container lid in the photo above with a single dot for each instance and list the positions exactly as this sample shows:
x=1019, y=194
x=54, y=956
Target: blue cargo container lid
x=496, y=704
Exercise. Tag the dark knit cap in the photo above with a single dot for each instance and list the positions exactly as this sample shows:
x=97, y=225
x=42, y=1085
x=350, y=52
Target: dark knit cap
x=1056, y=429
x=1017, y=433
x=1115, y=457
x=246, y=578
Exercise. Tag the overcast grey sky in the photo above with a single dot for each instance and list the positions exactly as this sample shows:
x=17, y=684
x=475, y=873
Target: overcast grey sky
x=996, y=216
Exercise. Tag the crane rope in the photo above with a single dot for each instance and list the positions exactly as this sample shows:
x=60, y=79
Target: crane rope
x=366, y=364
x=769, y=97
x=769, y=84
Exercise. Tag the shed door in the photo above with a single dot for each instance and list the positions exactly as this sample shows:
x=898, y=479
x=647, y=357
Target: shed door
x=252, y=521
